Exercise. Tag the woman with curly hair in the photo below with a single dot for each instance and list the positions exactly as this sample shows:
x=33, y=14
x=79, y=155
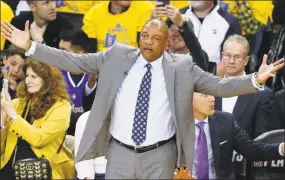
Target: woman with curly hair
x=34, y=125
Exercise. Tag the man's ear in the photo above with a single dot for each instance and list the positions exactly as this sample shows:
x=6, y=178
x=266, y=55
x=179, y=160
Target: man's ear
x=167, y=42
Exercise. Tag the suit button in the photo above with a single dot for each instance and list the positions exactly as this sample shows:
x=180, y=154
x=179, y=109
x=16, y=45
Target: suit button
x=20, y=137
x=13, y=131
x=17, y=134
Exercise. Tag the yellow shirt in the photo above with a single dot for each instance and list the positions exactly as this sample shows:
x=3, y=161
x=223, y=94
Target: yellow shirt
x=261, y=10
x=108, y=28
x=6, y=15
x=77, y=7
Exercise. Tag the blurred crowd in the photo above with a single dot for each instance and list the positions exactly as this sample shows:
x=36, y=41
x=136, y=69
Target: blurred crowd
x=228, y=38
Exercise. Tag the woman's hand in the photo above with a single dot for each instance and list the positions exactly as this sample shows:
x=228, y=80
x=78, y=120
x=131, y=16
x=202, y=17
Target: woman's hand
x=7, y=104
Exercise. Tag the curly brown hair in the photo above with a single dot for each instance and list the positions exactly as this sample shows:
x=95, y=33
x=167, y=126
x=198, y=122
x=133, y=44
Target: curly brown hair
x=53, y=89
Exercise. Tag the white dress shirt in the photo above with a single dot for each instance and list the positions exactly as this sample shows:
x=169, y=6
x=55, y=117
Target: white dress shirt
x=228, y=104
x=160, y=125
x=87, y=168
x=212, y=170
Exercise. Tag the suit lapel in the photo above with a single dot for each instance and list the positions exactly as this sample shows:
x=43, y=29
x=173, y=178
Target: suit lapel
x=215, y=140
x=124, y=69
x=218, y=104
x=169, y=73
x=240, y=106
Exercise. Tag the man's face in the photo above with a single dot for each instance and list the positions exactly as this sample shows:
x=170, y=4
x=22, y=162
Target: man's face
x=203, y=104
x=65, y=45
x=177, y=43
x=15, y=64
x=153, y=42
x=46, y=10
x=200, y=4
x=234, y=59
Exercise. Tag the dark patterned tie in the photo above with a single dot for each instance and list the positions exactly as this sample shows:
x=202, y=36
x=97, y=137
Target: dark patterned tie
x=141, y=112
x=202, y=154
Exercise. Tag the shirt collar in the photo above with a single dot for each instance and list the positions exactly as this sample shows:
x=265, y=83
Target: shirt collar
x=155, y=64
x=205, y=120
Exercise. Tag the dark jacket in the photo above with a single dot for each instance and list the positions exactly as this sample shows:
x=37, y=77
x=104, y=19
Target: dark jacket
x=51, y=35
x=227, y=136
x=252, y=112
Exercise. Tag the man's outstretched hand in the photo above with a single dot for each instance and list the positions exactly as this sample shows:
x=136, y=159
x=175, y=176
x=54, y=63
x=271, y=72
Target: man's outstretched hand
x=268, y=71
x=17, y=37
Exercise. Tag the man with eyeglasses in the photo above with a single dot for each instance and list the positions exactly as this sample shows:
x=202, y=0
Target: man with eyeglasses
x=251, y=111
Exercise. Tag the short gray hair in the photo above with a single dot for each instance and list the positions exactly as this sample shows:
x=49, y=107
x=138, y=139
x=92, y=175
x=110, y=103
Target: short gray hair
x=238, y=39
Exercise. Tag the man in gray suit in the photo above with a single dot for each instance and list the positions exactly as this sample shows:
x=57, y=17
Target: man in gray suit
x=142, y=118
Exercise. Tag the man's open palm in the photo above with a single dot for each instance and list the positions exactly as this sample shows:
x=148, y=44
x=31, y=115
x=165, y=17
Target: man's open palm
x=17, y=37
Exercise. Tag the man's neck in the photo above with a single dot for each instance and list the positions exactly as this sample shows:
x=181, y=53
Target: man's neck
x=115, y=8
x=40, y=22
x=198, y=116
x=235, y=75
x=203, y=13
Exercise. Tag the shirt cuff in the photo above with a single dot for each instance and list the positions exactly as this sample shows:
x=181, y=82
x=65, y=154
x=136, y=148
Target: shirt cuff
x=280, y=150
x=257, y=86
x=32, y=49
x=85, y=169
x=89, y=90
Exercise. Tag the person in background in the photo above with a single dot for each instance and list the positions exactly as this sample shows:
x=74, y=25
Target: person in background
x=13, y=61
x=76, y=42
x=122, y=22
x=75, y=7
x=34, y=125
x=251, y=111
x=217, y=136
x=212, y=26
x=45, y=24
x=6, y=15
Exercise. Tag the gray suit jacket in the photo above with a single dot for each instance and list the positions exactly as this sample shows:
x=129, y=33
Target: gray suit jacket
x=182, y=78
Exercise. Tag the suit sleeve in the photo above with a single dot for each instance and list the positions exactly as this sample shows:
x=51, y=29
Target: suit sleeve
x=220, y=87
x=75, y=63
x=252, y=150
x=262, y=123
x=200, y=57
x=56, y=123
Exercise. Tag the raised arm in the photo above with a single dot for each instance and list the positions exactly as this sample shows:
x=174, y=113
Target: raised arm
x=228, y=87
x=75, y=63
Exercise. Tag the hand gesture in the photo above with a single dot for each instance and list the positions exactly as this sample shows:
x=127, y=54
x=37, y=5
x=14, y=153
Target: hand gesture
x=17, y=37
x=37, y=33
x=3, y=113
x=92, y=80
x=182, y=174
x=268, y=71
x=7, y=104
x=174, y=15
x=159, y=11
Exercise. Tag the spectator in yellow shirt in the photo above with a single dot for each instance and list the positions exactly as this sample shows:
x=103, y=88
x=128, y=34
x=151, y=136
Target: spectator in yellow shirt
x=77, y=7
x=115, y=21
x=6, y=15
